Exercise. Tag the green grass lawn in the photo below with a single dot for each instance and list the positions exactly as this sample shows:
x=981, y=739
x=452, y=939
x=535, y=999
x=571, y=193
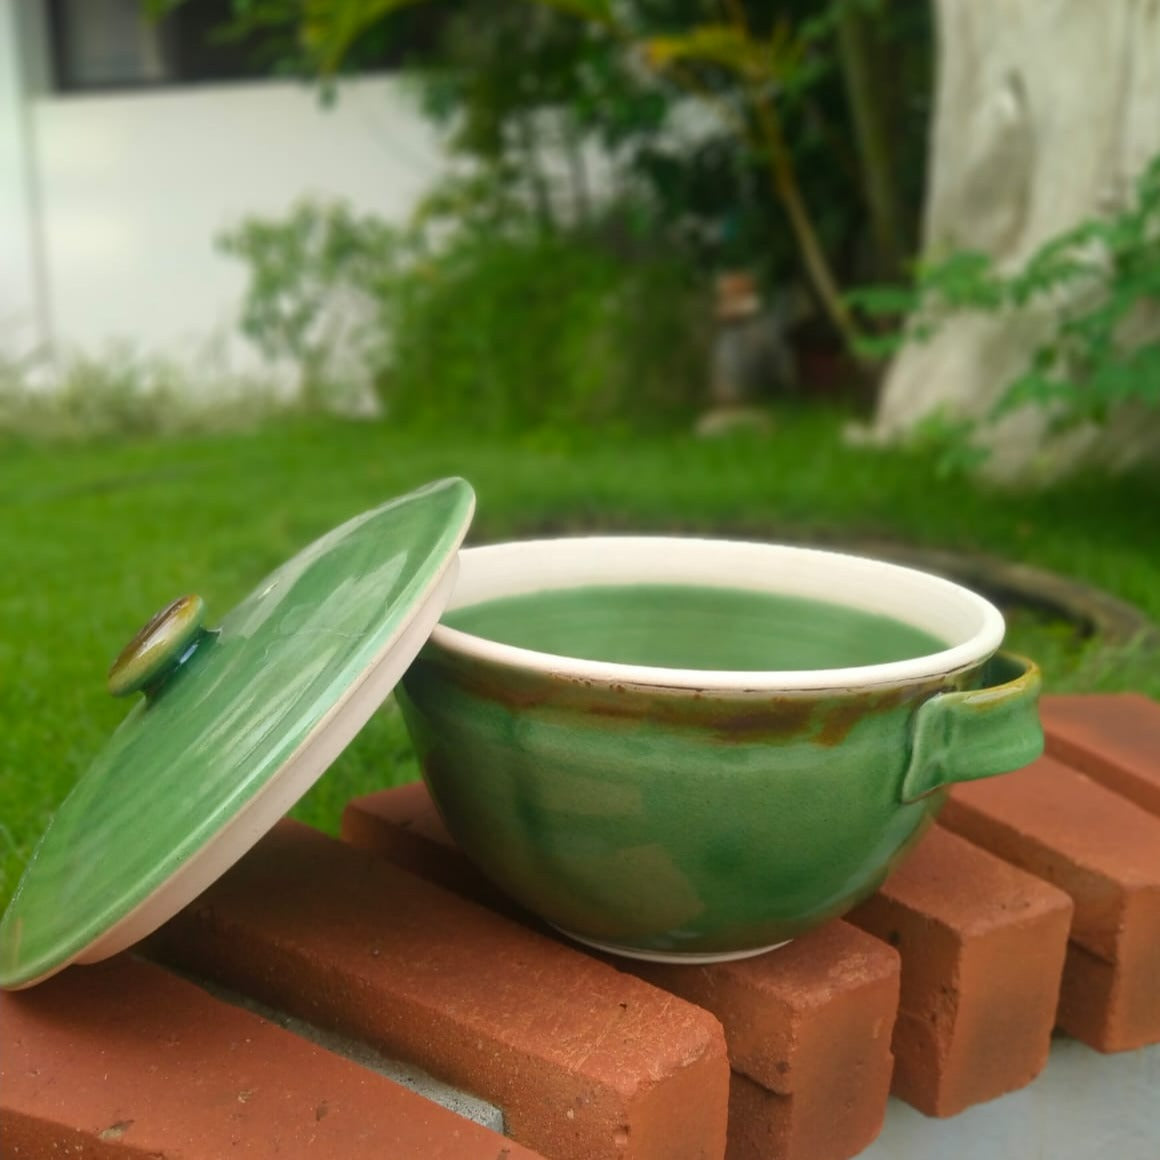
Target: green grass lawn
x=94, y=538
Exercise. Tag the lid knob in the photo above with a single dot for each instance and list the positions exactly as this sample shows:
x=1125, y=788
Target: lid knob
x=159, y=648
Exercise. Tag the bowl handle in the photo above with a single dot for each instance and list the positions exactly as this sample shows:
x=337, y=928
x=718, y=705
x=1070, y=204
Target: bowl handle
x=962, y=736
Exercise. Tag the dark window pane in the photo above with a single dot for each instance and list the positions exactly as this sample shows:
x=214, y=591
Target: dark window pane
x=99, y=44
x=105, y=43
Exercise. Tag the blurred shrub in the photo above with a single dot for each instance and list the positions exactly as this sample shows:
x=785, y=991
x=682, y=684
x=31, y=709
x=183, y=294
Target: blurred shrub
x=509, y=333
x=123, y=393
x=317, y=279
x=789, y=139
x=484, y=322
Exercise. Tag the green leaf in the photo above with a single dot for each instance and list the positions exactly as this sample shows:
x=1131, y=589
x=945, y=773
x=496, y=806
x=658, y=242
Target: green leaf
x=879, y=346
x=963, y=281
x=159, y=9
x=884, y=300
x=718, y=44
x=780, y=58
x=329, y=28
x=598, y=11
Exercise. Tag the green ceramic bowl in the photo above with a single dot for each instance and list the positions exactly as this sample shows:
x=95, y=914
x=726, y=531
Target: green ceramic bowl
x=691, y=750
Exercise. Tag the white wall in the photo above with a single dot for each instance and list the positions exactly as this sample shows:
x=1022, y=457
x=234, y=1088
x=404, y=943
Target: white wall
x=22, y=322
x=134, y=187
x=110, y=203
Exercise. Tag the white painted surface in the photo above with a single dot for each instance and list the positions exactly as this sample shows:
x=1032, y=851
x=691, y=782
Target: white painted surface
x=1085, y=1106
x=134, y=188
x=110, y=202
x=21, y=303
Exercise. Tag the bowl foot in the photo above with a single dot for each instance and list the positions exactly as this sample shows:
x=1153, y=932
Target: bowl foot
x=685, y=958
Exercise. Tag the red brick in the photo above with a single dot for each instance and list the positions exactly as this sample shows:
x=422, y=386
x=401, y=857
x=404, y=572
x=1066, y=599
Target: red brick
x=1101, y=1005
x=1105, y=852
x=809, y=1028
x=826, y=1121
x=585, y=1061
x=1112, y=737
x=804, y=1022
x=125, y=1059
x=801, y=1015
x=403, y=825
x=408, y=806
x=982, y=947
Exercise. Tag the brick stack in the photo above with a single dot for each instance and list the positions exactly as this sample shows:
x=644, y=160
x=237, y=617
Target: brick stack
x=1036, y=904
x=808, y=1026
x=982, y=947
x=1103, y=850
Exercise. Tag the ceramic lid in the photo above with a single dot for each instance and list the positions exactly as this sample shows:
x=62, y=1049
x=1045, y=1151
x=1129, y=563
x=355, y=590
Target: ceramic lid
x=235, y=724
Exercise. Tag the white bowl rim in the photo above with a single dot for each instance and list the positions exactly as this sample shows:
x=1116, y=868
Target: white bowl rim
x=518, y=567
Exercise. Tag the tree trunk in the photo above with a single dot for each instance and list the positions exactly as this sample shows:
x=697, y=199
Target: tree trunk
x=866, y=96
x=1045, y=113
x=529, y=145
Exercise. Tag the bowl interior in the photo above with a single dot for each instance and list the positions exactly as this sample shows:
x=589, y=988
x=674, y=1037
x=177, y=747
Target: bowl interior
x=668, y=610
x=681, y=626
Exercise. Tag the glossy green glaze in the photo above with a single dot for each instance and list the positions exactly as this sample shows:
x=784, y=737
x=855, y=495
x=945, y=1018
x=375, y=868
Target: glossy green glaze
x=159, y=649
x=679, y=626
x=974, y=733
x=185, y=763
x=677, y=821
